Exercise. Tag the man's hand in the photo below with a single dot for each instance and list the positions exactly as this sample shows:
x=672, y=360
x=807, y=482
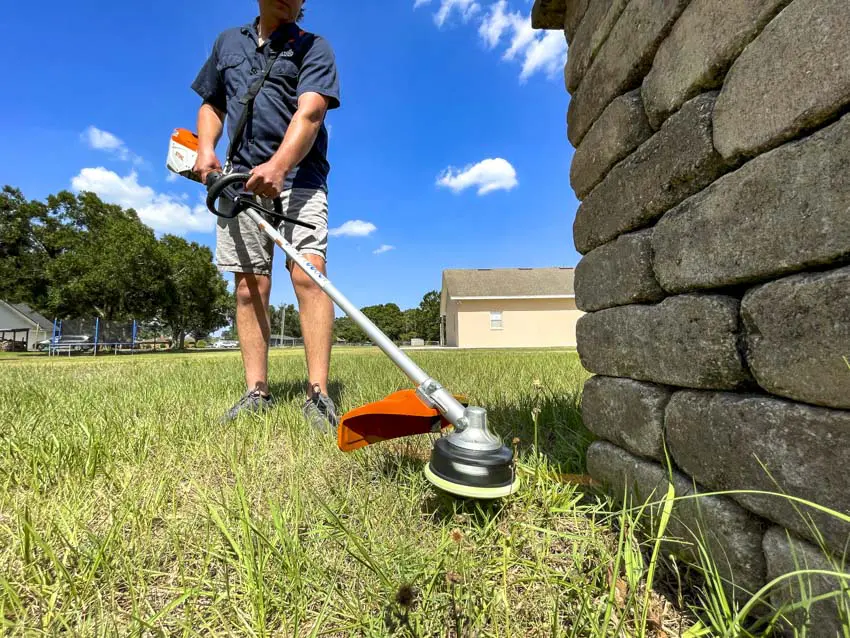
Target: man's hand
x=267, y=179
x=206, y=163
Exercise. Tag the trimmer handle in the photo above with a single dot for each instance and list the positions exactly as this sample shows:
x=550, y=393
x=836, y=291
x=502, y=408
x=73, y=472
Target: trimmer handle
x=217, y=184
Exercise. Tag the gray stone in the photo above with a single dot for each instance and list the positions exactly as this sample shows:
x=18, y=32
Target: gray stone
x=622, y=61
x=592, y=32
x=792, y=78
x=782, y=212
x=626, y=412
x=673, y=164
x=549, y=14
x=786, y=554
x=754, y=442
x=620, y=129
x=731, y=535
x=700, y=49
x=688, y=341
x=574, y=11
x=617, y=274
x=798, y=337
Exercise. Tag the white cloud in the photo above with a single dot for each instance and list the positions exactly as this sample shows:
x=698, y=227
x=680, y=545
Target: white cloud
x=162, y=212
x=171, y=177
x=534, y=50
x=384, y=248
x=548, y=54
x=496, y=22
x=466, y=8
x=354, y=228
x=101, y=140
x=488, y=175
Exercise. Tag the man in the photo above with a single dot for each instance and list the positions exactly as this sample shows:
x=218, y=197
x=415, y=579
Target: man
x=284, y=147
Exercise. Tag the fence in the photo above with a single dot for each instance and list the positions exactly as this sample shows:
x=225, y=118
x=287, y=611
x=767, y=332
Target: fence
x=91, y=336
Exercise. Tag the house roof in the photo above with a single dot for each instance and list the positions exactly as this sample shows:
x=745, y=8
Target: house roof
x=31, y=316
x=491, y=283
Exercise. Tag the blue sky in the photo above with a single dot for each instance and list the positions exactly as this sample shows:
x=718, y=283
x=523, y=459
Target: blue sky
x=451, y=140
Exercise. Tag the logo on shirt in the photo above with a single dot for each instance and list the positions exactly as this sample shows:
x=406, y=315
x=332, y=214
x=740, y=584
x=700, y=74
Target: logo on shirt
x=288, y=53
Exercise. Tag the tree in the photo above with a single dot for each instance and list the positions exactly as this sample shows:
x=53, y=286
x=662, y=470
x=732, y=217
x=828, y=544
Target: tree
x=198, y=296
x=29, y=238
x=348, y=331
x=411, y=324
x=113, y=266
x=428, y=317
x=388, y=317
x=292, y=319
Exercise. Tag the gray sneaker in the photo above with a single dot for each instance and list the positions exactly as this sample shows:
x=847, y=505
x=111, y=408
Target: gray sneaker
x=320, y=412
x=251, y=402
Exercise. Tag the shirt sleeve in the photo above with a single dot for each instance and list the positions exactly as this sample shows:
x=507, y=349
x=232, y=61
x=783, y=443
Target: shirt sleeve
x=209, y=84
x=319, y=73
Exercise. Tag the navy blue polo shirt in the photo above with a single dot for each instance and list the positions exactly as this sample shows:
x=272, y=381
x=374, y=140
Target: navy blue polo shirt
x=305, y=63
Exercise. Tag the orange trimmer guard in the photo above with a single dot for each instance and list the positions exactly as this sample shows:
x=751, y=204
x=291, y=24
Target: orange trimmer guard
x=398, y=415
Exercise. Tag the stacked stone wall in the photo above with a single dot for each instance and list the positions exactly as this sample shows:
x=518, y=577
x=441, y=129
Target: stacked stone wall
x=712, y=162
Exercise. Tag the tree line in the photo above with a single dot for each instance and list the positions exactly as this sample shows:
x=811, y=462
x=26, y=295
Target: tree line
x=75, y=256
x=399, y=325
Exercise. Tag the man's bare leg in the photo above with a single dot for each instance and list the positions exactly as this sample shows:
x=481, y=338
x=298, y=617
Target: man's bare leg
x=252, y=322
x=317, y=321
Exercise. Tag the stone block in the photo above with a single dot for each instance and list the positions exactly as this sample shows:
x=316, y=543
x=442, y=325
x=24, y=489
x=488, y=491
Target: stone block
x=626, y=412
x=620, y=129
x=755, y=442
x=549, y=14
x=582, y=48
x=798, y=337
x=617, y=274
x=574, y=11
x=782, y=212
x=791, y=79
x=622, y=60
x=731, y=535
x=688, y=341
x=672, y=165
x=701, y=47
x=786, y=554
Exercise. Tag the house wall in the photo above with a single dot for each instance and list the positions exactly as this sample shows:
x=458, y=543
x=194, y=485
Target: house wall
x=712, y=143
x=451, y=323
x=526, y=323
x=10, y=319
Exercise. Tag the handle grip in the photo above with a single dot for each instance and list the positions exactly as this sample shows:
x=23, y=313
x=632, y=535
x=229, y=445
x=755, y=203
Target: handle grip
x=217, y=184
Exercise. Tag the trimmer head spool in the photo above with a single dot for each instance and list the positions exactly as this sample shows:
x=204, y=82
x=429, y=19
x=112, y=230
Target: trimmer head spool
x=473, y=462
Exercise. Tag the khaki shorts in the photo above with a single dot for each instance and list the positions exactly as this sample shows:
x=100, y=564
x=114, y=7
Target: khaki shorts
x=242, y=247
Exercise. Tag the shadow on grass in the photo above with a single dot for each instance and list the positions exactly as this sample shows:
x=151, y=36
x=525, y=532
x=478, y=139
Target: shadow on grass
x=448, y=508
x=559, y=434
x=291, y=389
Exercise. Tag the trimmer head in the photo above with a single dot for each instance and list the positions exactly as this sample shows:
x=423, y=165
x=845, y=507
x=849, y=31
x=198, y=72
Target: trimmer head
x=473, y=462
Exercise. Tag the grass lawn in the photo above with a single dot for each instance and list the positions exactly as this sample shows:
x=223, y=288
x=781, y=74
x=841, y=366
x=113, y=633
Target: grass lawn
x=126, y=509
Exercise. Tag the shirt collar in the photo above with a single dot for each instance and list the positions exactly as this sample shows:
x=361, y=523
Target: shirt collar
x=286, y=31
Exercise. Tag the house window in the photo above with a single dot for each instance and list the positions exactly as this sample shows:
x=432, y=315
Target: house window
x=496, y=320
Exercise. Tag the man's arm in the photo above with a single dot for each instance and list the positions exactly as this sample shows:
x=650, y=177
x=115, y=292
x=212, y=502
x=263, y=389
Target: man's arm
x=267, y=179
x=210, y=128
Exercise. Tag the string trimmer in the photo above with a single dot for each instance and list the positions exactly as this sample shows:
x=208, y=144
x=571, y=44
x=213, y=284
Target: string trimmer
x=471, y=461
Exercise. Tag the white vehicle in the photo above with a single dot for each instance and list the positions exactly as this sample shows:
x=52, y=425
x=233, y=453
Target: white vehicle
x=226, y=344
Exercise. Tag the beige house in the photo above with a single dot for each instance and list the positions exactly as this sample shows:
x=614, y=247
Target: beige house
x=508, y=308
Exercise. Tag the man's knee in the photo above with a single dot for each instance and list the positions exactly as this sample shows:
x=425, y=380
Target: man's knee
x=251, y=288
x=302, y=281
